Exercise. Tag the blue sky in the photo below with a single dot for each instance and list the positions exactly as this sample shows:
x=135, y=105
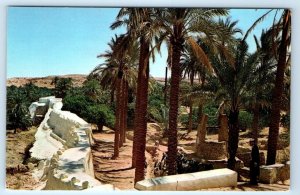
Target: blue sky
x=44, y=41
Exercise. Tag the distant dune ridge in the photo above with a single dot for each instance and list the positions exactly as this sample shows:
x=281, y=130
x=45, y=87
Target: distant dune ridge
x=77, y=79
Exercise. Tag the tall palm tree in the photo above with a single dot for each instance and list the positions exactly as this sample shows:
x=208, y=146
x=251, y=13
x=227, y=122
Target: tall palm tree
x=118, y=73
x=284, y=27
x=190, y=67
x=262, y=82
x=62, y=85
x=279, y=84
x=141, y=25
x=234, y=79
x=92, y=89
x=180, y=24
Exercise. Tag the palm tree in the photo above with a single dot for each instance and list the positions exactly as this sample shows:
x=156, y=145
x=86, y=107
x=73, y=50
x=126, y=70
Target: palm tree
x=62, y=85
x=283, y=26
x=17, y=112
x=92, y=89
x=180, y=24
x=278, y=89
x=234, y=79
x=118, y=73
x=262, y=82
x=189, y=68
x=140, y=24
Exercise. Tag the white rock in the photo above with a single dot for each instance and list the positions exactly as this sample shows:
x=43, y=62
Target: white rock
x=41, y=165
x=191, y=181
x=30, y=166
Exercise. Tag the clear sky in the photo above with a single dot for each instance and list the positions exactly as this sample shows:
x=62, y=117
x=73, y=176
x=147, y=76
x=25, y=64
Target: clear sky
x=44, y=41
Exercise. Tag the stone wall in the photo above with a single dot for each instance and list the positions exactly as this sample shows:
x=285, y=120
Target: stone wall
x=273, y=173
x=64, y=124
x=246, y=158
x=62, y=148
x=209, y=150
x=212, y=150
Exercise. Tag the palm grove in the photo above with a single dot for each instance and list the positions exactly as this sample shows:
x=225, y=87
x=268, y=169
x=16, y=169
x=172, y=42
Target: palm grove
x=212, y=71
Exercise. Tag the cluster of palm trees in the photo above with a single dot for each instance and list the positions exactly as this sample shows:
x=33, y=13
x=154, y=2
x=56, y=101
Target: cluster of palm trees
x=201, y=47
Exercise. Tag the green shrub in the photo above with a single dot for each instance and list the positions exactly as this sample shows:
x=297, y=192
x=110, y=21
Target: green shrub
x=100, y=114
x=75, y=103
x=245, y=120
x=184, y=119
x=62, y=85
x=264, y=118
x=211, y=111
x=18, y=101
x=17, y=113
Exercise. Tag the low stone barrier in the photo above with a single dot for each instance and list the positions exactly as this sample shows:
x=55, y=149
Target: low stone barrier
x=246, y=158
x=62, y=146
x=212, y=150
x=219, y=164
x=273, y=173
x=191, y=181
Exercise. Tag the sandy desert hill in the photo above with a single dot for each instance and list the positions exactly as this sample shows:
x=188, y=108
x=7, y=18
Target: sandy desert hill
x=77, y=79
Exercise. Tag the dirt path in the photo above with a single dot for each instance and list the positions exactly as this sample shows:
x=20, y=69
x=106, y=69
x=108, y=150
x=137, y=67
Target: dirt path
x=117, y=172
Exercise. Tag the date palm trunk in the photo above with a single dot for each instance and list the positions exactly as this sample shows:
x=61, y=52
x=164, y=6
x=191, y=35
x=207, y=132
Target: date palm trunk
x=112, y=96
x=255, y=123
x=278, y=91
x=117, y=123
x=174, y=97
x=122, y=119
x=100, y=127
x=140, y=119
x=233, y=137
x=191, y=105
x=124, y=113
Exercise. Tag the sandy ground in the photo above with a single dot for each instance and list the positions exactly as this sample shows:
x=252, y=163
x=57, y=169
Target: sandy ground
x=119, y=172
x=16, y=147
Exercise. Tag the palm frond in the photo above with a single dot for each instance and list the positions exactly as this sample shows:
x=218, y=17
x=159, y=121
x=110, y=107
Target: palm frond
x=252, y=27
x=199, y=53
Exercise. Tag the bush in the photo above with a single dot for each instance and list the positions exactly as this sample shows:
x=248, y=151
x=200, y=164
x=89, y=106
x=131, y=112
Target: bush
x=17, y=113
x=75, y=103
x=100, y=114
x=184, y=119
x=18, y=101
x=245, y=120
x=211, y=111
x=62, y=85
